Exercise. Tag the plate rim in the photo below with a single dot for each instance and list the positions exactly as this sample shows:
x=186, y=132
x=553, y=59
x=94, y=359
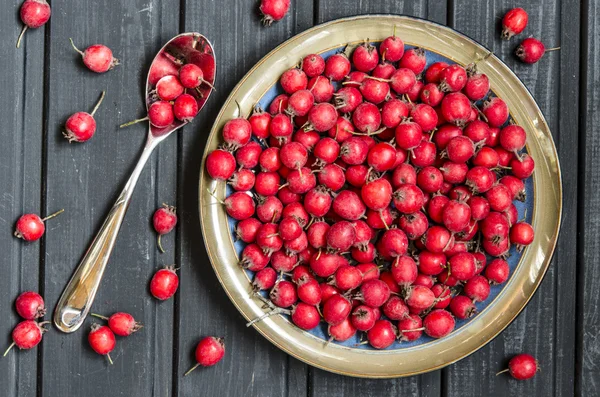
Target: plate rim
x=551, y=245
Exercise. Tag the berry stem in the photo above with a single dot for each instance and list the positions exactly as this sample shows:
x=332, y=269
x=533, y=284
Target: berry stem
x=268, y=314
x=21, y=35
x=553, y=49
x=191, y=369
x=503, y=371
x=160, y=248
x=98, y=104
x=133, y=122
x=109, y=359
x=53, y=215
x=7, y=350
x=413, y=330
x=76, y=49
x=212, y=87
x=383, y=220
x=215, y=197
x=99, y=316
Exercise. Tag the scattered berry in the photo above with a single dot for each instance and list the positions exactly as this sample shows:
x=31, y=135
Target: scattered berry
x=97, y=58
x=30, y=227
x=30, y=305
x=81, y=126
x=522, y=366
x=34, y=14
x=102, y=340
x=27, y=334
x=164, y=220
x=164, y=283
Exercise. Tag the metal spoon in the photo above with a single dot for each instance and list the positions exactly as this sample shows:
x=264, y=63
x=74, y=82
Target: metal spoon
x=78, y=296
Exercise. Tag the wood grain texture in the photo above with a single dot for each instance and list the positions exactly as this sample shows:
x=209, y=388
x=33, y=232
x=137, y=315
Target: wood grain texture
x=588, y=326
x=21, y=114
x=252, y=366
x=86, y=178
x=546, y=327
x=323, y=383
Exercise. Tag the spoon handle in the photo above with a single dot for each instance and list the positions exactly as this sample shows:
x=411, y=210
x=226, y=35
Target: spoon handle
x=78, y=296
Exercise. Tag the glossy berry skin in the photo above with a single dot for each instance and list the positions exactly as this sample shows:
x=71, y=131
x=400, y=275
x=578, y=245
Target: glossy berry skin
x=530, y=50
x=185, y=108
x=102, y=339
x=438, y=323
x=97, y=58
x=34, y=14
x=160, y=114
x=514, y=22
x=30, y=305
x=164, y=219
x=80, y=127
x=220, y=164
x=164, y=283
x=392, y=48
x=210, y=350
x=30, y=227
x=123, y=324
x=27, y=334
x=523, y=366
x=273, y=10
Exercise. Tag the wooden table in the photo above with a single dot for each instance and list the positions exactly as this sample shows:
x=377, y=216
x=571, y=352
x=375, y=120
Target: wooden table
x=45, y=81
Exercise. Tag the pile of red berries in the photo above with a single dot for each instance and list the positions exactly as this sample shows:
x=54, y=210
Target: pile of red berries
x=176, y=88
x=377, y=202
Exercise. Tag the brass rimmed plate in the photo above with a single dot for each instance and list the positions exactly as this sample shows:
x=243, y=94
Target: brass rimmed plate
x=543, y=206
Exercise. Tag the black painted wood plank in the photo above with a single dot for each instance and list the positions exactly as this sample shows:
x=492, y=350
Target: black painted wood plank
x=252, y=366
x=21, y=113
x=322, y=382
x=546, y=328
x=86, y=178
x=588, y=325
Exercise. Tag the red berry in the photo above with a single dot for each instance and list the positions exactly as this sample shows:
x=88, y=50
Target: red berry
x=273, y=10
x=382, y=334
x=164, y=283
x=26, y=335
x=209, y=351
x=392, y=48
x=164, y=220
x=522, y=366
x=514, y=22
x=185, y=108
x=81, y=126
x=438, y=323
x=97, y=58
x=30, y=227
x=30, y=305
x=34, y=14
x=337, y=67
x=102, y=340
x=313, y=65
x=123, y=324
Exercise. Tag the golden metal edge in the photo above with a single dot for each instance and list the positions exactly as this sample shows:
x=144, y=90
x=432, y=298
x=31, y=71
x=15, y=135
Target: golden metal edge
x=549, y=249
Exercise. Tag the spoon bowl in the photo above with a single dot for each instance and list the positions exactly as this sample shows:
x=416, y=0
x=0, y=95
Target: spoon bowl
x=78, y=296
